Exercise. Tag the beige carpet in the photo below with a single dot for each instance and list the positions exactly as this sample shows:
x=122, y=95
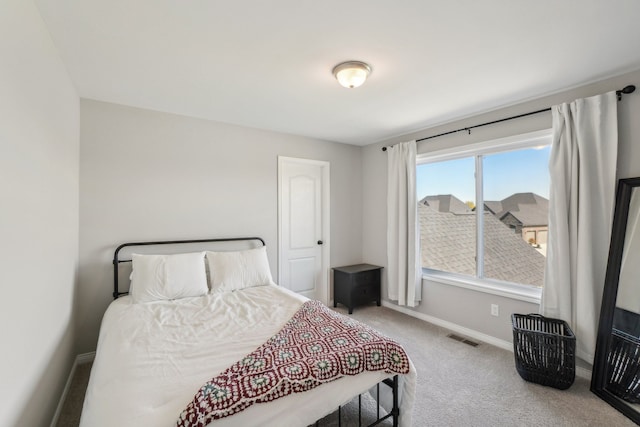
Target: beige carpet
x=458, y=385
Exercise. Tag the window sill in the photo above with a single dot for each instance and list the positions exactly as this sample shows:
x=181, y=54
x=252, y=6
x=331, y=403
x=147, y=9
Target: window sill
x=525, y=293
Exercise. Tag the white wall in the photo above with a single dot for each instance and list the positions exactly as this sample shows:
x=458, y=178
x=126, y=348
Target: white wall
x=464, y=307
x=39, y=150
x=150, y=175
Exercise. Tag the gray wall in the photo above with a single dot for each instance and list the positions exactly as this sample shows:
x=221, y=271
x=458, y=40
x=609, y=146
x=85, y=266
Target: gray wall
x=150, y=175
x=39, y=149
x=468, y=308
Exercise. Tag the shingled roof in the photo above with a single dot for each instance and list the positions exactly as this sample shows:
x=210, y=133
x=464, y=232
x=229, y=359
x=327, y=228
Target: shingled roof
x=446, y=203
x=494, y=206
x=448, y=244
x=529, y=209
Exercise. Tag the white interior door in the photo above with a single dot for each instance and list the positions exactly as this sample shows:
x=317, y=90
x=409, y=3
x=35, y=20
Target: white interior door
x=303, y=216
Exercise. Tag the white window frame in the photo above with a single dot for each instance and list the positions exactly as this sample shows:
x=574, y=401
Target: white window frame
x=479, y=283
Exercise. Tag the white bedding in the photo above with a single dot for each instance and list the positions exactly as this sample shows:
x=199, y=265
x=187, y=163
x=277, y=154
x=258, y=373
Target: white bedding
x=152, y=358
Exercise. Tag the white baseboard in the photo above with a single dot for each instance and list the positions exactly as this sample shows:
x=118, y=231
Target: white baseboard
x=80, y=360
x=583, y=373
x=505, y=345
x=56, y=415
x=83, y=358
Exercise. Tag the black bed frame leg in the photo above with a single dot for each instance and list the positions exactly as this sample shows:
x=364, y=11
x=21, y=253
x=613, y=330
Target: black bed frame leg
x=378, y=401
x=394, y=414
x=396, y=410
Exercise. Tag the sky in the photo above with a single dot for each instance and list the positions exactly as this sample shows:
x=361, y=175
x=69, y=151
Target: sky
x=505, y=173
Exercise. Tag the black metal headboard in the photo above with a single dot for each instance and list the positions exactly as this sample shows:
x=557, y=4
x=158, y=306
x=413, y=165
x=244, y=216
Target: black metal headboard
x=117, y=261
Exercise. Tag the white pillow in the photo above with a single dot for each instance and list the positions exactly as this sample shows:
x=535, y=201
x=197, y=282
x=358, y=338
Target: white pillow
x=230, y=271
x=165, y=277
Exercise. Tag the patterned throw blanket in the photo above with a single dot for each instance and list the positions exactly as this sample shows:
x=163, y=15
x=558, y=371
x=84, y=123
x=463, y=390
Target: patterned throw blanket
x=317, y=345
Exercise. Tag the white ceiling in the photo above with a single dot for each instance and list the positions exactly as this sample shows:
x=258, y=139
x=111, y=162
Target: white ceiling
x=267, y=64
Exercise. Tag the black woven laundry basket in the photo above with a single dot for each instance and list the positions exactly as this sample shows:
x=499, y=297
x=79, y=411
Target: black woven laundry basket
x=544, y=349
x=624, y=366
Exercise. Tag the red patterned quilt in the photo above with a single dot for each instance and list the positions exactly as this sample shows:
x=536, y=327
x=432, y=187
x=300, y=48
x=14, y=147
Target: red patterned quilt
x=317, y=345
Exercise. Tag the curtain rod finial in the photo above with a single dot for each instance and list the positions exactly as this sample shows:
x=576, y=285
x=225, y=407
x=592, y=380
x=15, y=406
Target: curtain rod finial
x=384, y=148
x=626, y=90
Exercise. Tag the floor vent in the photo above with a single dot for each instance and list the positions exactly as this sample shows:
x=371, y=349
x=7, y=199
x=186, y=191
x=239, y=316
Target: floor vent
x=462, y=339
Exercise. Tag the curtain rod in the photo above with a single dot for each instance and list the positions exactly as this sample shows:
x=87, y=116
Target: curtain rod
x=627, y=90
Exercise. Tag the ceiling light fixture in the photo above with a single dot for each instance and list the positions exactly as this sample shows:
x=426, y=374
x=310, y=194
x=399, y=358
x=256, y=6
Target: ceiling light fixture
x=351, y=74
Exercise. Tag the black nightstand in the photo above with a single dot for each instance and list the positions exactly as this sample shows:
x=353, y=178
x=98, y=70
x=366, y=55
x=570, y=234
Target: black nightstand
x=356, y=285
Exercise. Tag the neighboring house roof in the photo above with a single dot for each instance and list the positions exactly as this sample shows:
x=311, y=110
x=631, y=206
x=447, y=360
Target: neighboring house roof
x=448, y=242
x=529, y=209
x=446, y=203
x=493, y=206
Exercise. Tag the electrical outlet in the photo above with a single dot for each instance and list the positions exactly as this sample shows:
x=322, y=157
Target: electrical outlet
x=495, y=310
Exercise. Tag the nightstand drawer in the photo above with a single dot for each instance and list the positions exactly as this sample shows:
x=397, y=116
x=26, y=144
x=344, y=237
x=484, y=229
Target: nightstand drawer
x=361, y=294
x=366, y=278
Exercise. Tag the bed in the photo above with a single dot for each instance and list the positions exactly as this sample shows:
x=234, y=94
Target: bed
x=158, y=354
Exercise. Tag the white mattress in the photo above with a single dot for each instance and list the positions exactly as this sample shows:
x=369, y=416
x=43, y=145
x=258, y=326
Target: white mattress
x=152, y=358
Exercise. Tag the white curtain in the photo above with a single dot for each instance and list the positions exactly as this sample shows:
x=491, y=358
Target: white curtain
x=403, y=240
x=582, y=168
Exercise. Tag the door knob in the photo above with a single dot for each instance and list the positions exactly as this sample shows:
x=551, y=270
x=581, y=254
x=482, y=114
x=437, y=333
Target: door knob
x=320, y=242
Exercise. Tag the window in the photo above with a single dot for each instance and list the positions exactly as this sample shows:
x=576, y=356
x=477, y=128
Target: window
x=483, y=210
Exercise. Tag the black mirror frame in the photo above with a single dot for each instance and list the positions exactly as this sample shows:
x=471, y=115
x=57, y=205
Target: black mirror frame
x=599, y=375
